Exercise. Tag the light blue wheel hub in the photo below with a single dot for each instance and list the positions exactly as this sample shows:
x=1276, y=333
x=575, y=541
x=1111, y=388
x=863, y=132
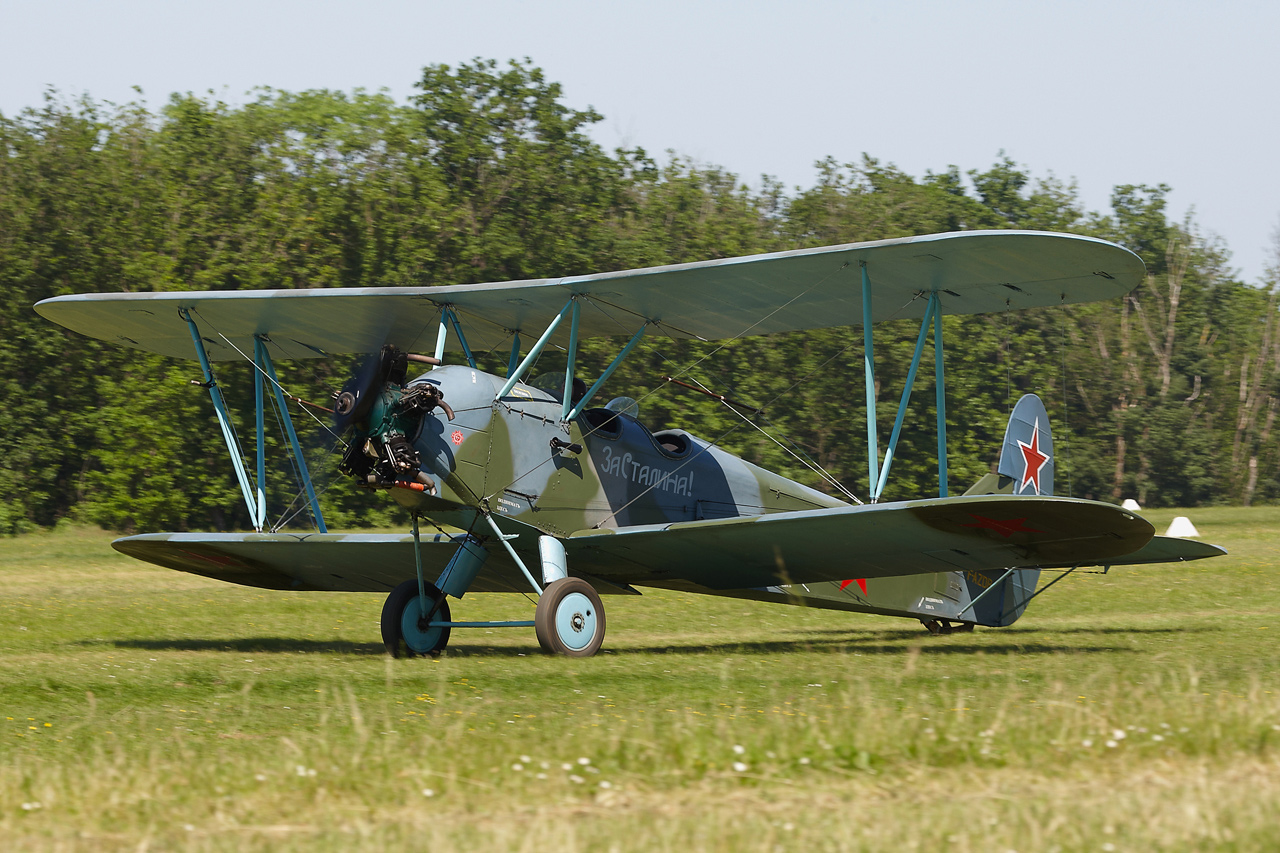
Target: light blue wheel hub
x=415, y=638
x=576, y=621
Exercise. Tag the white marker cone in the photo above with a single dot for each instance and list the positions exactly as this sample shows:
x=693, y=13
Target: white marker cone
x=1131, y=505
x=1182, y=527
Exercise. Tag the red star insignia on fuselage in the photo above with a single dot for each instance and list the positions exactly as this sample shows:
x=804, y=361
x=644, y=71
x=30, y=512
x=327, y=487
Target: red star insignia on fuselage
x=1032, y=460
x=1006, y=527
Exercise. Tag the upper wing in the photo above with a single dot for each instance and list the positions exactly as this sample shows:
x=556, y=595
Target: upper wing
x=869, y=541
x=972, y=271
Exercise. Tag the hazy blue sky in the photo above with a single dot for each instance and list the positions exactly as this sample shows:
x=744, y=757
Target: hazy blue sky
x=1183, y=93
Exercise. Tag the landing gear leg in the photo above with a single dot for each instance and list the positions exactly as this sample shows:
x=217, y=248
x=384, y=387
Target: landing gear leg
x=569, y=619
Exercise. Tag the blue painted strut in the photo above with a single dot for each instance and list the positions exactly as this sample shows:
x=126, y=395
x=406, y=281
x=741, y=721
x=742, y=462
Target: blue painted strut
x=567, y=402
x=906, y=398
x=260, y=520
x=462, y=339
x=608, y=371
x=869, y=371
x=224, y=418
x=263, y=359
x=515, y=353
x=513, y=378
x=941, y=384
x=517, y=624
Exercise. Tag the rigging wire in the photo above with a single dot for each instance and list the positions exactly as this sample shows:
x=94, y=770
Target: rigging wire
x=766, y=405
x=813, y=466
x=267, y=376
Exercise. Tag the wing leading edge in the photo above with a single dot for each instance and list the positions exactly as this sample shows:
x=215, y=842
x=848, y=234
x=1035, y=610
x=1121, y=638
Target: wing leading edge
x=972, y=271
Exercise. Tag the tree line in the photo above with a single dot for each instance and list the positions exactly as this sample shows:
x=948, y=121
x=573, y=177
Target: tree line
x=486, y=174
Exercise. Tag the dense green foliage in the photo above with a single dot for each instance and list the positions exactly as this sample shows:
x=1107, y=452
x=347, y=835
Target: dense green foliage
x=1169, y=396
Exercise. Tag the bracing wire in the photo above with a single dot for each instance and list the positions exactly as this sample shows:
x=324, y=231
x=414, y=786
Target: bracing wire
x=766, y=405
x=822, y=473
x=268, y=378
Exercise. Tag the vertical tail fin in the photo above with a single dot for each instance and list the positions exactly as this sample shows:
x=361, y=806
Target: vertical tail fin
x=1027, y=454
x=1026, y=467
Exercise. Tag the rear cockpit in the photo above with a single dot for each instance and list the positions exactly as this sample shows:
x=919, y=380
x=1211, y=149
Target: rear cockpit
x=609, y=424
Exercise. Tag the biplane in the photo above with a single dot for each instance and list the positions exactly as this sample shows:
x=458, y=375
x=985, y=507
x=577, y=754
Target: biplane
x=534, y=486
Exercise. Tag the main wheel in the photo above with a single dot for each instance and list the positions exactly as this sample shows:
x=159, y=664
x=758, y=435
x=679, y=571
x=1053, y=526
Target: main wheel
x=401, y=615
x=569, y=619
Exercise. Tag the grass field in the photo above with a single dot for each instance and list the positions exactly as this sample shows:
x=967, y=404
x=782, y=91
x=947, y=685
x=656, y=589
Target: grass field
x=146, y=709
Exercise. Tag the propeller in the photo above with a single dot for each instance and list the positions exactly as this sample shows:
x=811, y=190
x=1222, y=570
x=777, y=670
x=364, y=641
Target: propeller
x=356, y=398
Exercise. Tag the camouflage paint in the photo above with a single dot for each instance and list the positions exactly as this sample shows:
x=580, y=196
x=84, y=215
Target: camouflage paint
x=1025, y=467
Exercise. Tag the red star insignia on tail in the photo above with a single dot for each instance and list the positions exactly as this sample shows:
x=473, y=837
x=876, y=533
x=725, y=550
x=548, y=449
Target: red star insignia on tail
x=1033, y=460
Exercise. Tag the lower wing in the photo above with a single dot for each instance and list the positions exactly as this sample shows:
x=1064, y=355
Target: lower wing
x=874, y=540
x=868, y=541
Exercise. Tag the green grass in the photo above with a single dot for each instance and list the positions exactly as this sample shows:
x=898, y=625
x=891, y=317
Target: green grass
x=146, y=709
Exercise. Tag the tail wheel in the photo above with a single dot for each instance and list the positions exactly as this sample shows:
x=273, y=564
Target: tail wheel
x=404, y=627
x=569, y=619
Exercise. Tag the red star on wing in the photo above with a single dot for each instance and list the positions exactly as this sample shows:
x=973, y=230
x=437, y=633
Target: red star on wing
x=861, y=582
x=1006, y=527
x=1032, y=460
x=216, y=559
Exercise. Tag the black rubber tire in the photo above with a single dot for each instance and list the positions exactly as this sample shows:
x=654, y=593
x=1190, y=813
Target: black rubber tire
x=393, y=612
x=592, y=616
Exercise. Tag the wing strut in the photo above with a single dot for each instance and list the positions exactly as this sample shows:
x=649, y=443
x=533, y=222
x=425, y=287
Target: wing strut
x=515, y=352
x=608, y=371
x=906, y=397
x=566, y=403
x=262, y=360
x=462, y=339
x=940, y=384
x=879, y=475
x=224, y=421
x=972, y=604
x=514, y=377
x=869, y=371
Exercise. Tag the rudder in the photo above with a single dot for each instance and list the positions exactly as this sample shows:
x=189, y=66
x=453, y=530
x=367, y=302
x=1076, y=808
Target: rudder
x=1026, y=467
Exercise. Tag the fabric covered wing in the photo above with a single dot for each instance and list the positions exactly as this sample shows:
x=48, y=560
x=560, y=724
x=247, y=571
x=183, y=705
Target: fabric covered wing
x=317, y=561
x=360, y=562
x=874, y=540
x=1161, y=549
x=972, y=271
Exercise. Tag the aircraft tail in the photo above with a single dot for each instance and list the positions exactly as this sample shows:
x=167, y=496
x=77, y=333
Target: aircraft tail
x=959, y=598
x=1026, y=467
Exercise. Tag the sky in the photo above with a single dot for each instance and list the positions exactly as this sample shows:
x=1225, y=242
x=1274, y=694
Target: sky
x=1099, y=93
